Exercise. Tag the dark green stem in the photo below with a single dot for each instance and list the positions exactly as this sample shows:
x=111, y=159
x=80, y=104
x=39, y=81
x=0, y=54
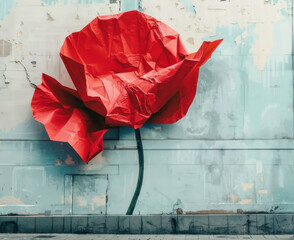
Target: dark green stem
x=141, y=171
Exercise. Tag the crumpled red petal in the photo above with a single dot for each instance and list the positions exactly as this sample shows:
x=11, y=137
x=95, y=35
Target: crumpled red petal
x=128, y=69
x=66, y=119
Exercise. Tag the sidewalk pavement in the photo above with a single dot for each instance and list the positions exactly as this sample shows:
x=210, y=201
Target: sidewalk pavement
x=138, y=237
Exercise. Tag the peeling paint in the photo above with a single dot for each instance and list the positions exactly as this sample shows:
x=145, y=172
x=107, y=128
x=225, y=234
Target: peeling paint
x=81, y=201
x=247, y=186
x=261, y=179
x=210, y=212
x=214, y=13
x=240, y=39
x=5, y=48
x=246, y=201
x=98, y=201
x=263, y=191
x=10, y=200
x=235, y=198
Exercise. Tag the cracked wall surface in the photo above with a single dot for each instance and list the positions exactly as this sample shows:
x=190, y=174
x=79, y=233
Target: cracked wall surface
x=232, y=152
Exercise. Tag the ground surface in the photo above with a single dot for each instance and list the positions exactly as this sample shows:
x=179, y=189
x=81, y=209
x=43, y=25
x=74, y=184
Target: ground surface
x=137, y=237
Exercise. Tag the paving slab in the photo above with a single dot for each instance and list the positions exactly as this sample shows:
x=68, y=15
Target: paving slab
x=138, y=237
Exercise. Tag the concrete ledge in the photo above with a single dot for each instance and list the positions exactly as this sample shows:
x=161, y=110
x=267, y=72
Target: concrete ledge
x=241, y=224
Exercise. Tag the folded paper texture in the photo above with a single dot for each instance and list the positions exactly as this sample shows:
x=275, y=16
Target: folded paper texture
x=128, y=69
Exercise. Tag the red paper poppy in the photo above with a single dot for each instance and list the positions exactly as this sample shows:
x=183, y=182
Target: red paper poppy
x=128, y=68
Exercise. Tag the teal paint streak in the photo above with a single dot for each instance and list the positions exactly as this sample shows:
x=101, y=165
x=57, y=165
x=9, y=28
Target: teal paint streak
x=189, y=5
x=129, y=5
x=5, y=6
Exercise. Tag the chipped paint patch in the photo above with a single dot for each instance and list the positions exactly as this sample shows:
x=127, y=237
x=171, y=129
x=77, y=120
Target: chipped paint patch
x=259, y=167
x=189, y=6
x=97, y=163
x=247, y=186
x=69, y=160
x=68, y=200
x=69, y=2
x=246, y=201
x=263, y=191
x=30, y=35
x=98, y=201
x=10, y=200
x=49, y=17
x=81, y=201
x=5, y=48
x=261, y=179
x=128, y=5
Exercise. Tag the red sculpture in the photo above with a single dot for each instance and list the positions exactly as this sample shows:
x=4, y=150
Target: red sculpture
x=128, y=69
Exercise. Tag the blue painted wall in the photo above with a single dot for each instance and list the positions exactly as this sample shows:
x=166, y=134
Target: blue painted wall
x=234, y=149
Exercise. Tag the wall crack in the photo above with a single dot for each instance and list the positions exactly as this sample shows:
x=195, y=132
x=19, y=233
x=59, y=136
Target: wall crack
x=27, y=75
x=5, y=79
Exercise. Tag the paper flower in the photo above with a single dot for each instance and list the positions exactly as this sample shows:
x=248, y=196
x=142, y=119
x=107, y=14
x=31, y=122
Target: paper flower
x=128, y=69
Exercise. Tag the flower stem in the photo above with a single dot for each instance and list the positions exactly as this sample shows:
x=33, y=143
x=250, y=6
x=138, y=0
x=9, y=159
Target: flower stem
x=141, y=171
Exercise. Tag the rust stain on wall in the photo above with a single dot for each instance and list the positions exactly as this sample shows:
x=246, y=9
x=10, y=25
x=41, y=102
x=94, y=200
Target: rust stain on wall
x=69, y=160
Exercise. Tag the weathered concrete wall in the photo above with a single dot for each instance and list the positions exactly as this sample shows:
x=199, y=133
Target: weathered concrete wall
x=234, y=149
